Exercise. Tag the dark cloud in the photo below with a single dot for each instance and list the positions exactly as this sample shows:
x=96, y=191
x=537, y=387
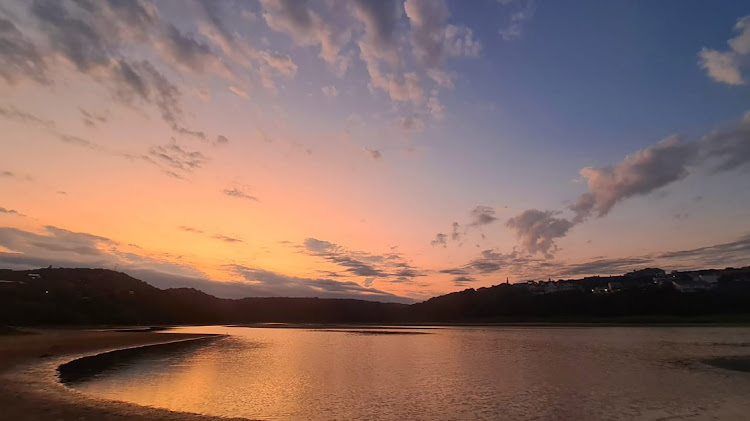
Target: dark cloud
x=537, y=230
x=74, y=38
x=75, y=140
x=177, y=159
x=456, y=271
x=729, y=149
x=226, y=239
x=433, y=39
x=191, y=229
x=10, y=211
x=267, y=283
x=188, y=53
x=603, y=266
x=221, y=140
x=63, y=248
x=19, y=58
x=719, y=255
x=307, y=28
x=11, y=113
x=374, y=154
x=236, y=192
x=93, y=37
x=525, y=266
x=380, y=18
x=391, y=267
x=440, y=240
x=456, y=233
x=482, y=215
x=92, y=119
x=319, y=246
x=13, y=175
x=57, y=240
x=460, y=281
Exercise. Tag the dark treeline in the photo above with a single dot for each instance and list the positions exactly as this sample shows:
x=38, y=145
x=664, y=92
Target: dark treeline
x=99, y=296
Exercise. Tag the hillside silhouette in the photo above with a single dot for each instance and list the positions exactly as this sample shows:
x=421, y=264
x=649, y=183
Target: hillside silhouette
x=63, y=296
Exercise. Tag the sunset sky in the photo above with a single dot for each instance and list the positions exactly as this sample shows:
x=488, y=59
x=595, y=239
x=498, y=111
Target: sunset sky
x=385, y=150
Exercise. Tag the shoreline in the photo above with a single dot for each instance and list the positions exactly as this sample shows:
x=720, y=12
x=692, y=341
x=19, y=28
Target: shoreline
x=31, y=390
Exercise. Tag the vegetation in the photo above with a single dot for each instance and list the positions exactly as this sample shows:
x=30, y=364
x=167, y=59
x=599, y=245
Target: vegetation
x=99, y=296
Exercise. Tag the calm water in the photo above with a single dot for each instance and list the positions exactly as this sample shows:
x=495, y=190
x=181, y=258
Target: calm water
x=442, y=373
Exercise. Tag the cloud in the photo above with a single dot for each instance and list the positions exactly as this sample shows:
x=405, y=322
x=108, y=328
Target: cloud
x=374, y=154
x=238, y=193
x=721, y=67
x=56, y=242
x=725, y=66
x=411, y=123
x=306, y=28
x=95, y=38
x=92, y=119
x=456, y=233
x=330, y=91
x=226, y=239
x=728, y=149
x=272, y=64
x=11, y=113
x=638, y=174
x=221, y=140
x=191, y=229
x=239, y=92
x=19, y=58
x=491, y=261
x=11, y=174
x=460, y=281
x=319, y=246
x=62, y=248
x=537, y=230
x=188, y=54
x=440, y=240
x=392, y=267
x=719, y=255
x=267, y=283
x=10, y=211
x=75, y=140
x=432, y=39
x=523, y=10
x=219, y=237
x=482, y=215
x=175, y=158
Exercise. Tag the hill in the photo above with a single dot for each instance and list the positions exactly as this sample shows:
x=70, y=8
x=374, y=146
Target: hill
x=98, y=296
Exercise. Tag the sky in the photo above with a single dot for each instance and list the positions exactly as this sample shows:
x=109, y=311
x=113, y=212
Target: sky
x=385, y=150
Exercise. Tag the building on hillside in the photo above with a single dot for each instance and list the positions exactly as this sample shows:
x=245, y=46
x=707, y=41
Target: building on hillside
x=688, y=285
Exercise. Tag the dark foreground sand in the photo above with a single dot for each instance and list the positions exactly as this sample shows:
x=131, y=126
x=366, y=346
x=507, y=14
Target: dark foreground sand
x=30, y=390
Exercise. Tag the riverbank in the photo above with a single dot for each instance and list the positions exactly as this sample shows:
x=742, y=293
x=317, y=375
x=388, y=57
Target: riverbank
x=30, y=390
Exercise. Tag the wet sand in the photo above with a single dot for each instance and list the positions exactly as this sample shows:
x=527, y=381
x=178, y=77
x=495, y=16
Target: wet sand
x=30, y=390
x=731, y=363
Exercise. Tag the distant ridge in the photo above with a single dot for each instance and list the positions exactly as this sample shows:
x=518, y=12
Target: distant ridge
x=63, y=296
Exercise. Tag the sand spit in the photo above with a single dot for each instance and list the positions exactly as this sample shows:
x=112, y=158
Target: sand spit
x=30, y=390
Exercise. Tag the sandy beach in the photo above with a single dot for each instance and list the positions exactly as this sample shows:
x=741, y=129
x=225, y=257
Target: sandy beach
x=30, y=390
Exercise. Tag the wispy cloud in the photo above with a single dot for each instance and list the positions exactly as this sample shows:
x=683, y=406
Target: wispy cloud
x=390, y=267
x=240, y=194
x=10, y=211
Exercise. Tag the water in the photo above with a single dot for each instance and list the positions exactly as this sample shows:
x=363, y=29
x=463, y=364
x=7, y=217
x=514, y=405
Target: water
x=442, y=373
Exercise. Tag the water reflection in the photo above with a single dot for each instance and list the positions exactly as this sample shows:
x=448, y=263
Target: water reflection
x=450, y=373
